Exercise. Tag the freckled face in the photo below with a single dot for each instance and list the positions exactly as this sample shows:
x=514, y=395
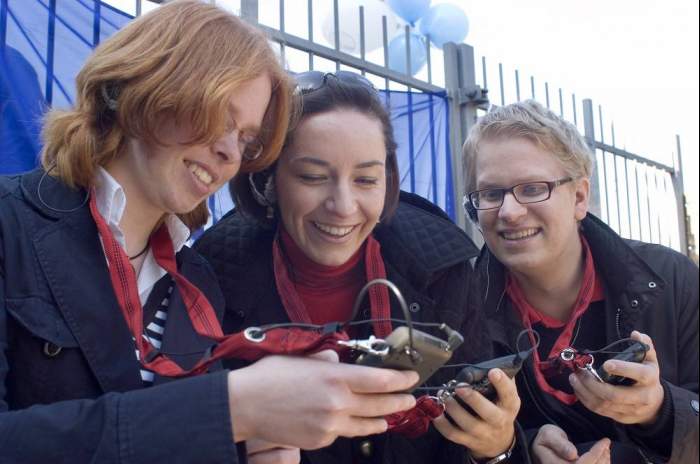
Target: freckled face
x=531, y=238
x=331, y=184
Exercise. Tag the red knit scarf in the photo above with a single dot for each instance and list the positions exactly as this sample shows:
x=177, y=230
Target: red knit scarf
x=374, y=269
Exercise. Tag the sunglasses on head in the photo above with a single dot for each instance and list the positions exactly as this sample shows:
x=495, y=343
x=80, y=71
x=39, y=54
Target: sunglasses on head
x=310, y=81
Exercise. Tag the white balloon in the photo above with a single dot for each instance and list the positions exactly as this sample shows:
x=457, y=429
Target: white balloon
x=349, y=25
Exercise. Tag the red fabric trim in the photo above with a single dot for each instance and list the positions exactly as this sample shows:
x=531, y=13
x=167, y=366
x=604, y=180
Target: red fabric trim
x=591, y=286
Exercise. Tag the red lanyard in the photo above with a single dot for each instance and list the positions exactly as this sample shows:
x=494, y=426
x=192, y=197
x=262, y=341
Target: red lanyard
x=240, y=345
x=530, y=315
x=378, y=294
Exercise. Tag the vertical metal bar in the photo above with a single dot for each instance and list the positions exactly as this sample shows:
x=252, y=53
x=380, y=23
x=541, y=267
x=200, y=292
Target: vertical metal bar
x=573, y=101
x=500, y=79
x=50, y=48
x=546, y=93
x=679, y=193
x=429, y=64
x=139, y=7
x=517, y=86
x=658, y=212
x=669, y=240
x=362, y=36
x=3, y=24
x=612, y=132
x=605, y=175
x=310, y=24
x=96, y=15
x=561, y=103
x=646, y=184
x=411, y=144
x=433, y=154
x=629, y=203
x=407, y=35
x=282, y=16
x=600, y=118
x=309, y=19
x=532, y=86
x=639, y=200
x=249, y=11
x=336, y=31
x=617, y=194
x=483, y=72
x=589, y=134
x=385, y=43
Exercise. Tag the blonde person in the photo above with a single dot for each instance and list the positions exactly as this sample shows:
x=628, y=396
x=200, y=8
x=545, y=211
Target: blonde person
x=93, y=266
x=550, y=265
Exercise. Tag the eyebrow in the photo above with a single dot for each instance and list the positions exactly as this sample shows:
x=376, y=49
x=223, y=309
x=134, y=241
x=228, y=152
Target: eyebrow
x=322, y=163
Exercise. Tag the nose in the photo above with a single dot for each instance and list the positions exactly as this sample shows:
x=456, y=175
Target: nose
x=511, y=210
x=227, y=147
x=341, y=200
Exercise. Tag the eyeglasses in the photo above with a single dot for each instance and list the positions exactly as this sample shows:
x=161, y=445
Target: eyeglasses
x=250, y=146
x=525, y=193
x=310, y=81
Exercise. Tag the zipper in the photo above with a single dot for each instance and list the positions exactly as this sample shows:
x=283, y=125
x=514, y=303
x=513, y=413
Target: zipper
x=617, y=323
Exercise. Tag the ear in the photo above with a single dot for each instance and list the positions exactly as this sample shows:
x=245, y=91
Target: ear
x=582, y=194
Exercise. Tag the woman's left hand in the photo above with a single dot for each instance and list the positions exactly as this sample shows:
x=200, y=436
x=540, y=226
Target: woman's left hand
x=631, y=404
x=490, y=431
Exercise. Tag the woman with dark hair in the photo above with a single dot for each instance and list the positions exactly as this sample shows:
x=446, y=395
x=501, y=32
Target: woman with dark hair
x=102, y=305
x=327, y=218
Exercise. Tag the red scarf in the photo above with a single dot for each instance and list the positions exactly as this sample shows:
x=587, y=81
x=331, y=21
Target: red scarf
x=204, y=320
x=374, y=269
x=591, y=290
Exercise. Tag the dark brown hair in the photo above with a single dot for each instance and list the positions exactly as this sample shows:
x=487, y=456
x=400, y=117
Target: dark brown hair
x=333, y=94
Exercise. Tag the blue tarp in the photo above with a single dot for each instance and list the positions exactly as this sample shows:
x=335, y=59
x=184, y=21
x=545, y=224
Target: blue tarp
x=45, y=42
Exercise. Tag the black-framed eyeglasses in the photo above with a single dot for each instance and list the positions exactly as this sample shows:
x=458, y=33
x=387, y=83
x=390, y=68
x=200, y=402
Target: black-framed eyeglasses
x=525, y=193
x=309, y=81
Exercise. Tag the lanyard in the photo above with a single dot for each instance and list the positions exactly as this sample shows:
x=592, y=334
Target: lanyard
x=242, y=345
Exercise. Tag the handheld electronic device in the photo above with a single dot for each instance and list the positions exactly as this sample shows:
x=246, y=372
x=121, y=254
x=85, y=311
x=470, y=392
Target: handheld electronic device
x=636, y=352
x=405, y=348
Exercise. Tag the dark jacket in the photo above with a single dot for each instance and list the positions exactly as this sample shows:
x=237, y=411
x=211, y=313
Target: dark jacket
x=649, y=288
x=425, y=255
x=70, y=388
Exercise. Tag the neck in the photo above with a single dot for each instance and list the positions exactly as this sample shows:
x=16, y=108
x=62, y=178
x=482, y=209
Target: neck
x=554, y=293
x=140, y=217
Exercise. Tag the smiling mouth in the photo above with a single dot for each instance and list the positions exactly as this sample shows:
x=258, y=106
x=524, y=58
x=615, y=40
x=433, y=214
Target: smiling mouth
x=200, y=173
x=335, y=231
x=520, y=234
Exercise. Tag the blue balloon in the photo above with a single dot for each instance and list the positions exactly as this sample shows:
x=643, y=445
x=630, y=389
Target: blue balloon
x=410, y=10
x=445, y=23
x=397, y=53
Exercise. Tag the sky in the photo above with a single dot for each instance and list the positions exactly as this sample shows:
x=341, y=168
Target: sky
x=637, y=59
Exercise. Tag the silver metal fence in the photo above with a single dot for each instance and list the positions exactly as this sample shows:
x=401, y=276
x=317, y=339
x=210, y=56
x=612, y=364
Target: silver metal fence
x=638, y=197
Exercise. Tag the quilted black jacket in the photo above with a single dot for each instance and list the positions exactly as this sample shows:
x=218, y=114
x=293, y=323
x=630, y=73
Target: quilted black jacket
x=425, y=255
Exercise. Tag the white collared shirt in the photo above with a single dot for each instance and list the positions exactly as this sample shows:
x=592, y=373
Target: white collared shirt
x=111, y=202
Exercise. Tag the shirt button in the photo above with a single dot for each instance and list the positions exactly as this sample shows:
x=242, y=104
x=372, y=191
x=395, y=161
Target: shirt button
x=695, y=406
x=366, y=448
x=414, y=307
x=634, y=303
x=652, y=284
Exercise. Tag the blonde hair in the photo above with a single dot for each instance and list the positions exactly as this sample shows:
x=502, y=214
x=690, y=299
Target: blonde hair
x=531, y=121
x=182, y=60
